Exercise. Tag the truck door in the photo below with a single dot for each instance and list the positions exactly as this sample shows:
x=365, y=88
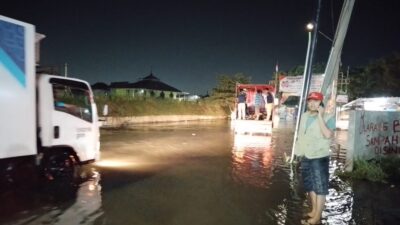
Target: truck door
x=73, y=117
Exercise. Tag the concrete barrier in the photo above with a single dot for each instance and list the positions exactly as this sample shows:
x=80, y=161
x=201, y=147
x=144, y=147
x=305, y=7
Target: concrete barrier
x=121, y=122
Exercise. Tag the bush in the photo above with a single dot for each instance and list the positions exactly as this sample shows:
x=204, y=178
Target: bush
x=128, y=106
x=391, y=166
x=366, y=170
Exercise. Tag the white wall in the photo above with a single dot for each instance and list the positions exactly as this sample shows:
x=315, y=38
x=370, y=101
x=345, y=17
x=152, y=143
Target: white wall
x=373, y=134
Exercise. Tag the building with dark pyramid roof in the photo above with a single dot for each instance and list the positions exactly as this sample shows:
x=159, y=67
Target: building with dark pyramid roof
x=149, y=86
x=151, y=82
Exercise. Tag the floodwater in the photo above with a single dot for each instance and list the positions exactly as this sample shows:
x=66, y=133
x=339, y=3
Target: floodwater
x=195, y=173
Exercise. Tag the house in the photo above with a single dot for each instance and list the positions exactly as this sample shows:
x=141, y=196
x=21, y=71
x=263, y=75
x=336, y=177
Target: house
x=101, y=89
x=120, y=89
x=154, y=87
x=149, y=86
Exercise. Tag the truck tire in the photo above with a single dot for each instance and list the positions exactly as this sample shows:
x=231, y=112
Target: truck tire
x=61, y=166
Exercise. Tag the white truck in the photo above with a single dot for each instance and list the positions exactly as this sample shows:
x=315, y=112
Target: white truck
x=45, y=120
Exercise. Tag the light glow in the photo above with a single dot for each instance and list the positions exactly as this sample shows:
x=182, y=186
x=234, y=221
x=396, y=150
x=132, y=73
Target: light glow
x=378, y=104
x=251, y=126
x=374, y=104
x=242, y=141
x=310, y=26
x=113, y=163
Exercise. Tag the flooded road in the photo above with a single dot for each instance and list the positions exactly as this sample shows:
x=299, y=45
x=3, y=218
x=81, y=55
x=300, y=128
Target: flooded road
x=196, y=173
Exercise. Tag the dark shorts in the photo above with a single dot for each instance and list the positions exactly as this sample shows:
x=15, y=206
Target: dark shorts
x=315, y=173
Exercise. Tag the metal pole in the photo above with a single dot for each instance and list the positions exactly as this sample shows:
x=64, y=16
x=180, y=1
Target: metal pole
x=301, y=105
x=307, y=74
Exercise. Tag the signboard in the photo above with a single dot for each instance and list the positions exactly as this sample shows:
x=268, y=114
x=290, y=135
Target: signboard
x=294, y=84
x=342, y=98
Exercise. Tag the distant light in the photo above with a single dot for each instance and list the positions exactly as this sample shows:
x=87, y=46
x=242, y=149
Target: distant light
x=310, y=26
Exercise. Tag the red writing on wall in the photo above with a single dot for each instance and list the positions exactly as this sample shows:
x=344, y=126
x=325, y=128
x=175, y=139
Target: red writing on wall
x=382, y=140
x=379, y=127
x=382, y=137
x=396, y=126
x=387, y=150
x=375, y=127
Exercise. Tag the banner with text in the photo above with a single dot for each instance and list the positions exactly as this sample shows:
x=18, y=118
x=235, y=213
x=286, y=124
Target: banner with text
x=294, y=84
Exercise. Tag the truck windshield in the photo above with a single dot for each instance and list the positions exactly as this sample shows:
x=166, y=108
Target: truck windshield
x=72, y=97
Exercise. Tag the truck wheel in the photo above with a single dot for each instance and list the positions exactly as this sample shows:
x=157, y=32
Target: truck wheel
x=62, y=166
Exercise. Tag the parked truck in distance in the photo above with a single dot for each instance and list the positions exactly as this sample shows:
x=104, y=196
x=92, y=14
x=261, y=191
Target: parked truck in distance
x=47, y=121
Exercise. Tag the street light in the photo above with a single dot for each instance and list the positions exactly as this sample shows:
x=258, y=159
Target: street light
x=310, y=27
x=308, y=64
x=306, y=81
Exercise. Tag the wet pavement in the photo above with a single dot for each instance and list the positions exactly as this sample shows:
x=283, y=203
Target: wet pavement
x=195, y=173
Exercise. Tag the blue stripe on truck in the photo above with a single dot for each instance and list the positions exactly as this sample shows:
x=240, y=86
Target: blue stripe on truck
x=12, y=49
x=12, y=67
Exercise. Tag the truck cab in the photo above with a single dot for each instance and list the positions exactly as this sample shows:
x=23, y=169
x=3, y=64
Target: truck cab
x=68, y=130
x=68, y=116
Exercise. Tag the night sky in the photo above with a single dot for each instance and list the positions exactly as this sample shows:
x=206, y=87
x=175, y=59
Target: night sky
x=188, y=43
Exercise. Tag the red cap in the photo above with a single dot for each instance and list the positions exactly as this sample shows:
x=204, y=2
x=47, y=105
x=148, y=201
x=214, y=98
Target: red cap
x=315, y=96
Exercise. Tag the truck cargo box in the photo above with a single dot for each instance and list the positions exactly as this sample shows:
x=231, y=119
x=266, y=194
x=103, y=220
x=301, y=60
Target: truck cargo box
x=17, y=89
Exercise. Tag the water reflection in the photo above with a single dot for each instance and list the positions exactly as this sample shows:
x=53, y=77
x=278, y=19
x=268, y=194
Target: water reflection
x=87, y=206
x=85, y=210
x=282, y=213
x=252, y=160
x=339, y=201
x=258, y=161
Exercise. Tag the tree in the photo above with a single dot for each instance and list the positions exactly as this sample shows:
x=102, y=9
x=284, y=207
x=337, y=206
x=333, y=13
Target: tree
x=225, y=89
x=379, y=78
x=318, y=68
x=295, y=71
x=386, y=72
x=358, y=83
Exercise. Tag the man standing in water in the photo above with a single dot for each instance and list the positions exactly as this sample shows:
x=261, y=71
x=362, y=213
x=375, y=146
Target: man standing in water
x=241, y=104
x=269, y=103
x=258, y=103
x=313, y=142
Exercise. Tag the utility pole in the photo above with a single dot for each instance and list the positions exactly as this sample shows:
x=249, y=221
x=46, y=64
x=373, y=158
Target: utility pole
x=347, y=79
x=276, y=78
x=341, y=82
x=332, y=65
x=66, y=70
